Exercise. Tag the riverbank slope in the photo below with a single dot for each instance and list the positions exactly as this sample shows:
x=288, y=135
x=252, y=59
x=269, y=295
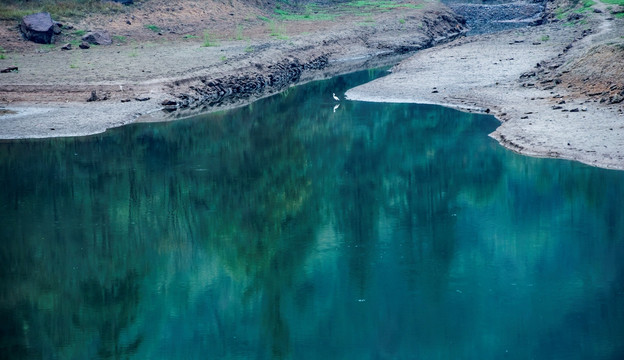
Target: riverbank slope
x=202, y=58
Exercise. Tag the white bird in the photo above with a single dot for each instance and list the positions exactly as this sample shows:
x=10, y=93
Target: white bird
x=121, y=88
x=335, y=97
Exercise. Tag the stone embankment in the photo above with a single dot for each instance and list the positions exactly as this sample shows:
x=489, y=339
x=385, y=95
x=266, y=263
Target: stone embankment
x=233, y=88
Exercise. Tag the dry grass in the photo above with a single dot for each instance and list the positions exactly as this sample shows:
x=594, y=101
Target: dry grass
x=16, y=9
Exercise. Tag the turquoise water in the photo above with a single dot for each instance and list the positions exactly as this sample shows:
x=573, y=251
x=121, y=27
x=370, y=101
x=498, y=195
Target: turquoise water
x=287, y=230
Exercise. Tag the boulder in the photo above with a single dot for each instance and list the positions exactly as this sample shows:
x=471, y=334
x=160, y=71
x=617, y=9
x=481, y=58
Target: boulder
x=84, y=45
x=67, y=47
x=101, y=37
x=38, y=27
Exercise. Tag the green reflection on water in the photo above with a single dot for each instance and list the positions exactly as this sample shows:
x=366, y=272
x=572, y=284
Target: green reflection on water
x=286, y=229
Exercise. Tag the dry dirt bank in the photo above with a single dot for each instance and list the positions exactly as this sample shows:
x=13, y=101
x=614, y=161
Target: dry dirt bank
x=556, y=88
x=47, y=97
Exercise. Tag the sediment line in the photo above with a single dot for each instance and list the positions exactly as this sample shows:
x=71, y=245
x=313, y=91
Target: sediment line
x=233, y=88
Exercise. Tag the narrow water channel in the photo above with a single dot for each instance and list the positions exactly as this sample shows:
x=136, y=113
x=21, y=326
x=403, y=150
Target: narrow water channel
x=301, y=227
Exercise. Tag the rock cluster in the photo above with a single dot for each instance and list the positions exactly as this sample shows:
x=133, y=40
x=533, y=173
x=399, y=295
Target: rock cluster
x=232, y=88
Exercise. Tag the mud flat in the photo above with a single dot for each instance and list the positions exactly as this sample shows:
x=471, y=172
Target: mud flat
x=522, y=77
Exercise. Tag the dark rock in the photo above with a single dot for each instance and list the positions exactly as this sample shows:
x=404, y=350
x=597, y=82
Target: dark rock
x=124, y=2
x=101, y=37
x=125, y=100
x=598, y=11
x=9, y=69
x=575, y=110
x=142, y=98
x=575, y=16
x=84, y=45
x=38, y=27
x=168, y=103
x=67, y=47
x=56, y=29
x=616, y=99
x=527, y=75
x=93, y=97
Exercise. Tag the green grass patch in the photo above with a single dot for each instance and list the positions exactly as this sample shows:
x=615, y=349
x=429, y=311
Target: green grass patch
x=120, y=39
x=264, y=18
x=614, y=2
x=309, y=14
x=190, y=36
x=79, y=32
x=586, y=6
x=47, y=47
x=277, y=30
x=209, y=41
x=239, y=33
x=2, y=53
x=545, y=38
x=619, y=15
x=152, y=27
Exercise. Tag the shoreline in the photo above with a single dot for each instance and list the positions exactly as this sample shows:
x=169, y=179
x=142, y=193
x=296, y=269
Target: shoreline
x=43, y=101
x=502, y=74
x=539, y=115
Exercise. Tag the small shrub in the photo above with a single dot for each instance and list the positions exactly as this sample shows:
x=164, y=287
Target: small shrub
x=239, y=33
x=152, y=27
x=208, y=41
x=119, y=38
x=277, y=30
x=545, y=38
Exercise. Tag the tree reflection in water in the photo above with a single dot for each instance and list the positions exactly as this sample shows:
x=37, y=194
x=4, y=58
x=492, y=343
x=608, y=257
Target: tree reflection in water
x=287, y=230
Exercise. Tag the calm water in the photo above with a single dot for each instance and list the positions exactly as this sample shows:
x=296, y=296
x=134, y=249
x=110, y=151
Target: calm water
x=287, y=230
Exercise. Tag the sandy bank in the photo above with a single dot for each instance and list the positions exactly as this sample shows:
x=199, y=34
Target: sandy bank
x=488, y=73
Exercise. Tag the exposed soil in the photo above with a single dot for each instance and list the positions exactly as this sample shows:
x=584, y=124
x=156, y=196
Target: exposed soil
x=160, y=68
